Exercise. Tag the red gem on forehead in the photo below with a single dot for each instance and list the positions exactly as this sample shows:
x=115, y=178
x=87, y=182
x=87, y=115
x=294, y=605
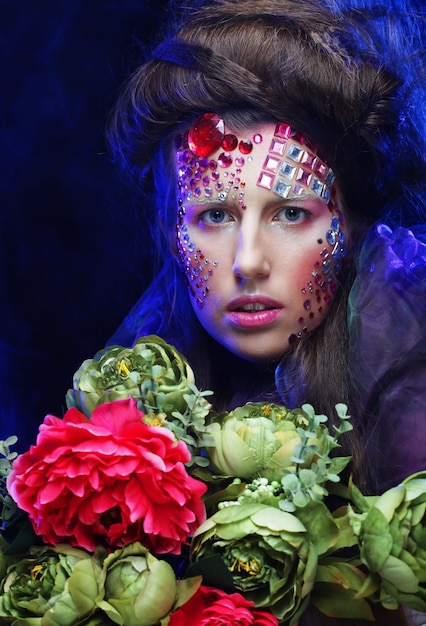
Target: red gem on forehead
x=245, y=147
x=229, y=142
x=206, y=134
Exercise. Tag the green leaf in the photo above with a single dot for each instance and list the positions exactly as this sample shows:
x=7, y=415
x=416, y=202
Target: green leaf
x=277, y=520
x=376, y=540
x=399, y=574
x=340, y=602
x=322, y=529
x=390, y=500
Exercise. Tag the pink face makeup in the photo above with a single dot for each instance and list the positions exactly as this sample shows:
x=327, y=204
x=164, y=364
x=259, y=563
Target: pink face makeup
x=219, y=172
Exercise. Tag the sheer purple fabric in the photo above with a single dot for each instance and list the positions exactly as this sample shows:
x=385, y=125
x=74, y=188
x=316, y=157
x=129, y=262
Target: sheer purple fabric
x=387, y=329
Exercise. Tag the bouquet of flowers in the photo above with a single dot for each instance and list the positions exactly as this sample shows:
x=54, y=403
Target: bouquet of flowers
x=141, y=506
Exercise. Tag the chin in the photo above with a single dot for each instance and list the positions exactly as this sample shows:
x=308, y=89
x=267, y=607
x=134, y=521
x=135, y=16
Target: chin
x=259, y=355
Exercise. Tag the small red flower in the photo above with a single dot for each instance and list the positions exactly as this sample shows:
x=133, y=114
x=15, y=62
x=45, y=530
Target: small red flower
x=110, y=480
x=213, y=607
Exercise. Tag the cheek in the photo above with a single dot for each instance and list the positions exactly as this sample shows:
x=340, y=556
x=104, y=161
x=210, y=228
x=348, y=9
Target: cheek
x=317, y=279
x=197, y=266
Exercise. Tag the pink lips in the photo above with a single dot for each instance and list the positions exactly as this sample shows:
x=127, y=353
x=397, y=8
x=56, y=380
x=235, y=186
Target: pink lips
x=253, y=311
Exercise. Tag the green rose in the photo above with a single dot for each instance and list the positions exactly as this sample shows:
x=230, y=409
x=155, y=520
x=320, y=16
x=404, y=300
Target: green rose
x=153, y=372
x=50, y=586
x=392, y=536
x=158, y=377
x=140, y=590
x=265, y=440
x=268, y=552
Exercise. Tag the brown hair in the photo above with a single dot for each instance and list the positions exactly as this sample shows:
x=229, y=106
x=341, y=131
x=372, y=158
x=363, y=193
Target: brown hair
x=269, y=60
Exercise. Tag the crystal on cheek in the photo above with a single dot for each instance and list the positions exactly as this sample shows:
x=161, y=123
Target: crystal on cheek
x=323, y=284
x=192, y=260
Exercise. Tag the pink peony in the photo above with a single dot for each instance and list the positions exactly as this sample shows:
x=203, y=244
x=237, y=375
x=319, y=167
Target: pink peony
x=110, y=480
x=213, y=607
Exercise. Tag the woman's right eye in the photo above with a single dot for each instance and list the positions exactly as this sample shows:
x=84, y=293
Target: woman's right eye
x=215, y=217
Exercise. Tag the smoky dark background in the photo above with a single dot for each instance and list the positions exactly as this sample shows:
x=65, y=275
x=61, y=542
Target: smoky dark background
x=73, y=256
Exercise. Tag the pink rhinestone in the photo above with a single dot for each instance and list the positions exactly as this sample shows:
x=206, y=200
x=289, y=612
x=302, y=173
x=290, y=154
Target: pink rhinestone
x=277, y=147
x=224, y=159
x=304, y=177
x=298, y=137
x=309, y=160
x=239, y=161
x=283, y=130
x=271, y=163
x=321, y=169
x=265, y=180
x=257, y=138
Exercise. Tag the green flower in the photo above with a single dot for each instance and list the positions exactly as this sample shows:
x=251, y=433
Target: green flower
x=50, y=586
x=157, y=376
x=392, y=536
x=268, y=552
x=267, y=440
x=140, y=590
x=8, y=508
x=152, y=371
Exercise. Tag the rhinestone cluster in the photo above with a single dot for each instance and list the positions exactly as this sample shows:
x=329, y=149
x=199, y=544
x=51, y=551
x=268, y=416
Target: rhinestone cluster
x=292, y=166
x=196, y=266
x=320, y=289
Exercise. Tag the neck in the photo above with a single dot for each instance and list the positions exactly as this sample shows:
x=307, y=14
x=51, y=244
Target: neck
x=236, y=381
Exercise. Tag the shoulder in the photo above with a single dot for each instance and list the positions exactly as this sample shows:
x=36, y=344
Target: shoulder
x=387, y=334
x=390, y=284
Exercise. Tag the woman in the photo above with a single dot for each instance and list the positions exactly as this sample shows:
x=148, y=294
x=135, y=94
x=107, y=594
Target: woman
x=269, y=143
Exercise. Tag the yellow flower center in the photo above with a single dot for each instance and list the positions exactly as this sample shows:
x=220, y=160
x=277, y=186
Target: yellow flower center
x=152, y=419
x=251, y=567
x=266, y=410
x=120, y=367
x=37, y=572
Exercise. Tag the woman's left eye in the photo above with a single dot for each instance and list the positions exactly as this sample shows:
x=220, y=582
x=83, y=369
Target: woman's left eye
x=291, y=214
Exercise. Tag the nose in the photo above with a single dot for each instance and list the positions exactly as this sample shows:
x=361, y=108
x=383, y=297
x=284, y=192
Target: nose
x=251, y=256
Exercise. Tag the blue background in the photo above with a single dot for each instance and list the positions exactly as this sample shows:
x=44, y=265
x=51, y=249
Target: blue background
x=72, y=255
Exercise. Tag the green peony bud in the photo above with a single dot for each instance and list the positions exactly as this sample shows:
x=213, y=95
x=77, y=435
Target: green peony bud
x=268, y=440
x=153, y=372
x=392, y=536
x=158, y=377
x=268, y=553
x=50, y=586
x=140, y=590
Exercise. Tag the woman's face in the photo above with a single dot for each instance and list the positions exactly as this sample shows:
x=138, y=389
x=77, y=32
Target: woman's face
x=260, y=237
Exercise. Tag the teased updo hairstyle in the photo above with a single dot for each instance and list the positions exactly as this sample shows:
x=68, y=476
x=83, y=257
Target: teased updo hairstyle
x=260, y=60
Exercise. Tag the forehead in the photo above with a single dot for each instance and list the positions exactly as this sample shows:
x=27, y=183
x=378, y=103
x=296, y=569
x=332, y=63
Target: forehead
x=216, y=161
